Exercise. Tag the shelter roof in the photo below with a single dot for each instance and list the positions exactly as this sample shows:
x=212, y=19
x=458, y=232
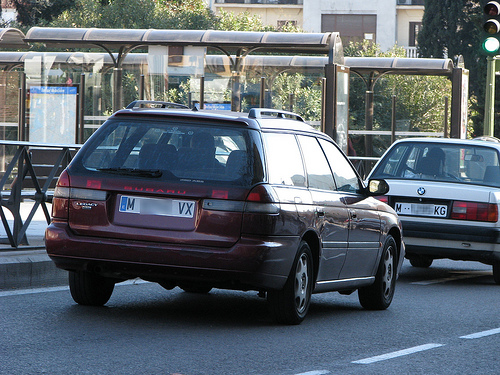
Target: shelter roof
x=320, y=43
x=12, y=38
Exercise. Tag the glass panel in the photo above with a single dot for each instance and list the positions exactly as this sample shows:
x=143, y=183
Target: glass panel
x=284, y=160
x=345, y=176
x=319, y=175
x=175, y=151
x=441, y=162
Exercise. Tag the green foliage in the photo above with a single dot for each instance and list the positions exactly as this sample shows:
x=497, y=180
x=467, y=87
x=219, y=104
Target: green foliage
x=138, y=14
x=419, y=99
x=40, y=12
x=452, y=28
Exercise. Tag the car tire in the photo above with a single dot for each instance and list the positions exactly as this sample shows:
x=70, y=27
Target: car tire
x=290, y=304
x=90, y=289
x=496, y=272
x=378, y=296
x=420, y=261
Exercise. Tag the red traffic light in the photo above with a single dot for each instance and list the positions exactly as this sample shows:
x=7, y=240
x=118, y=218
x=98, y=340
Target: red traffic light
x=492, y=8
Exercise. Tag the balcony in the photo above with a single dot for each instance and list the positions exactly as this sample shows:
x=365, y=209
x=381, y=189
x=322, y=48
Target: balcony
x=269, y=2
x=410, y=2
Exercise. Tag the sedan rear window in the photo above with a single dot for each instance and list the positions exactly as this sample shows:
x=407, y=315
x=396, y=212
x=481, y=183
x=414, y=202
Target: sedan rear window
x=441, y=162
x=175, y=150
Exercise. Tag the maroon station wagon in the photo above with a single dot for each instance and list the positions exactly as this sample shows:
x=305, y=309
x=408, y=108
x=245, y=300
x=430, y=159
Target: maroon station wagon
x=205, y=199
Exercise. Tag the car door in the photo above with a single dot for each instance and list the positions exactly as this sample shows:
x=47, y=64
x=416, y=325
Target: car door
x=331, y=214
x=363, y=217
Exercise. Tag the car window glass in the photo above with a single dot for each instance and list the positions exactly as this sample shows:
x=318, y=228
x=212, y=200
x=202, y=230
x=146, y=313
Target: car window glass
x=177, y=151
x=284, y=160
x=319, y=175
x=346, y=178
x=447, y=162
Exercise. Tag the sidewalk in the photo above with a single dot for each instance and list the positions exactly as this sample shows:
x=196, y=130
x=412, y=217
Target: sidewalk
x=29, y=266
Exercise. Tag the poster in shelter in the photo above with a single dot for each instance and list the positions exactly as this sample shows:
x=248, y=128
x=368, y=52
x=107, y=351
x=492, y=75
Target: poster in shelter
x=53, y=114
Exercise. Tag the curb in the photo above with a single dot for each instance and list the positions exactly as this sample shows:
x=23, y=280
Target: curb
x=29, y=268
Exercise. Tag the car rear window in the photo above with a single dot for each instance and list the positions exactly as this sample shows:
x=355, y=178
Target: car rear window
x=176, y=150
x=441, y=162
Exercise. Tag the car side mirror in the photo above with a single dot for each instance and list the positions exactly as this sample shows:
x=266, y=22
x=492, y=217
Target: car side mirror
x=377, y=187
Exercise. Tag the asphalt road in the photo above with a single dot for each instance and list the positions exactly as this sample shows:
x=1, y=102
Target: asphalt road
x=443, y=320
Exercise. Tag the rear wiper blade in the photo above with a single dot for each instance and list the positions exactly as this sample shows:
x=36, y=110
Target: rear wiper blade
x=134, y=171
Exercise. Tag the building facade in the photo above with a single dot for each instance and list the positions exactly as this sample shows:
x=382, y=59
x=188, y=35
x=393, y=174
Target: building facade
x=385, y=22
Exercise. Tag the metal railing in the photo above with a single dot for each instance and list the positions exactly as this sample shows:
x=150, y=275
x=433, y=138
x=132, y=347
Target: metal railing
x=24, y=178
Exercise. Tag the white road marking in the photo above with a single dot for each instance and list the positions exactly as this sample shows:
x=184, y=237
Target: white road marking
x=458, y=276
x=19, y=292
x=399, y=353
x=318, y=372
x=478, y=335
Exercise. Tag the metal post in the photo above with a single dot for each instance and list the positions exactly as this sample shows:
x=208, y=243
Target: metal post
x=489, y=102
x=117, y=89
x=202, y=92
x=262, y=99
x=445, y=125
x=393, y=119
x=142, y=81
x=323, y=102
x=21, y=128
x=369, y=122
x=291, y=101
x=330, y=101
x=81, y=111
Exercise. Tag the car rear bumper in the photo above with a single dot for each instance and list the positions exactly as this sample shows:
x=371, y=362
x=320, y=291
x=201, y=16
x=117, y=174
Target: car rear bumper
x=249, y=264
x=457, y=242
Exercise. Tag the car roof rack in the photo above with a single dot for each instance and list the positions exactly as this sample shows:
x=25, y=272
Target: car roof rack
x=258, y=112
x=155, y=104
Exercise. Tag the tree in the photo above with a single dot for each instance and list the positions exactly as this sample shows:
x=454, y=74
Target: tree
x=452, y=28
x=40, y=12
x=419, y=99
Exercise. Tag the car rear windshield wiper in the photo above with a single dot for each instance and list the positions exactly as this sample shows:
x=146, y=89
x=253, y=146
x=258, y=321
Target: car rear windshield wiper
x=134, y=172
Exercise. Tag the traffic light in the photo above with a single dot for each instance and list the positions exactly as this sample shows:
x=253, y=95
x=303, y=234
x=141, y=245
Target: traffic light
x=491, y=42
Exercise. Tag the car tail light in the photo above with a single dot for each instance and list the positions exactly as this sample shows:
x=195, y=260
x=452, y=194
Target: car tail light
x=474, y=211
x=261, y=199
x=64, y=192
x=383, y=198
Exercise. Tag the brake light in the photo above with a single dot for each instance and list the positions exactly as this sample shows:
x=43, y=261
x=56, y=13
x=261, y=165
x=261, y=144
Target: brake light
x=474, y=211
x=383, y=198
x=60, y=202
x=262, y=199
x=64, y=192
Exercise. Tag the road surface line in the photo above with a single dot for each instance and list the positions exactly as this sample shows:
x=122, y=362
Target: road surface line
x=317, y=372
x=397, y=354
x=19, y=292
x=478, y=335
x=452, y=278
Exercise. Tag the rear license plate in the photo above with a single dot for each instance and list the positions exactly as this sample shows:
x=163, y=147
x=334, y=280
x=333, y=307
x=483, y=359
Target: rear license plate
x=422, y=209
x=155, y=206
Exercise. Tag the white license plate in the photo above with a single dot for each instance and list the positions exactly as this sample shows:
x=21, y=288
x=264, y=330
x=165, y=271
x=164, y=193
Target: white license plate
x=155, y=206
x=421, y=209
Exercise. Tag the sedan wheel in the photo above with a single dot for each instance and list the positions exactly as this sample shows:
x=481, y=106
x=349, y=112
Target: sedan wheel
x=378, y=296
x=290, y=305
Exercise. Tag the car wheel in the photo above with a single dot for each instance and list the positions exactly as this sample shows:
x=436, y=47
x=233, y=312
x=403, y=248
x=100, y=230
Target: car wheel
x=90, y=289
x=420, y=261
x=496, y=272
x=290, y=304
x=378, y=296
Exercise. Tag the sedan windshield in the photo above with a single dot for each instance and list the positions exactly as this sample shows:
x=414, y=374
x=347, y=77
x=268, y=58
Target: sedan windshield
x=441, y=162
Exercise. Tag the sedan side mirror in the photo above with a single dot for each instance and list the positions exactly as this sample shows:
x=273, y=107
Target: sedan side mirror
x=378, y=187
